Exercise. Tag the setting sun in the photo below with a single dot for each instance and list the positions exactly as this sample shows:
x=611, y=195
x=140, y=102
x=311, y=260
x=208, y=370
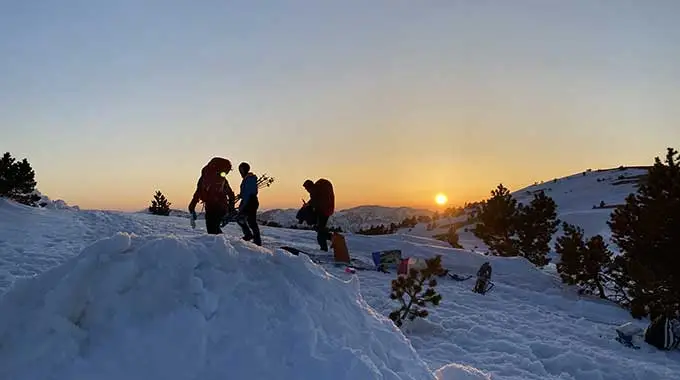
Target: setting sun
x=441, y=199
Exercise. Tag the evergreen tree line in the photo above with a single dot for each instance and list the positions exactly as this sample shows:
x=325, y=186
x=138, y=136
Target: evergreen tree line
x=408, y=222
x=643, y=277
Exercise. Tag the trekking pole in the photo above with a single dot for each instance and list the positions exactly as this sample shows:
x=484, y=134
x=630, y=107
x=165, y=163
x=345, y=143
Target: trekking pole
x=262, y=182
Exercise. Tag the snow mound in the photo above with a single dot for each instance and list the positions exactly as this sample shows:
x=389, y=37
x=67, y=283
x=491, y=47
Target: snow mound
x=53, y=204
x=460, y=372
x=200, y=307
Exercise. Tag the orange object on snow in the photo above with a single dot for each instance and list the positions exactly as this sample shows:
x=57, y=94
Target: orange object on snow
x=340, y=252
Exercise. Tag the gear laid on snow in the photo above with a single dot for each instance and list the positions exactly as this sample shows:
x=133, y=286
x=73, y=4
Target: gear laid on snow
x=483, y=284
x=324, y=259
x=663, y=333
x=627, y=333
x=339, y=246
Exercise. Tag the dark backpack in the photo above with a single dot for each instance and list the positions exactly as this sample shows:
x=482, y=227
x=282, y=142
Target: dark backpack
x=662, y=333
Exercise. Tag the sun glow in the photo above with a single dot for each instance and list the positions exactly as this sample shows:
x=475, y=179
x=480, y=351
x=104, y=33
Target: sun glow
x=441, y=199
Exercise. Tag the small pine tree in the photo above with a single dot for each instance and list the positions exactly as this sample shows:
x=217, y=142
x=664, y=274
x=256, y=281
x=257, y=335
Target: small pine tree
x=160, y=205
x=496, y=222
x=412, y=286
x=647, y=230
x=536, y=223
x=587, y=264
x=17, y=180
x=453, y=238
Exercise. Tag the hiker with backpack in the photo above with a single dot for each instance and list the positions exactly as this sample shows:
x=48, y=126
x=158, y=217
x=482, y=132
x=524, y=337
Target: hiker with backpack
x=320, y=207
x=214, y=191
x=247, y=209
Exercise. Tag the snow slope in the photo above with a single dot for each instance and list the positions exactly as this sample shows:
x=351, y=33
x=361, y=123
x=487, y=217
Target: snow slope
x=171, y=302
x=575, y=196
x=350, y=220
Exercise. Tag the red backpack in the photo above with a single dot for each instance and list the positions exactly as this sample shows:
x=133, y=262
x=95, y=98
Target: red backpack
x=213, y=185
x=324, y=190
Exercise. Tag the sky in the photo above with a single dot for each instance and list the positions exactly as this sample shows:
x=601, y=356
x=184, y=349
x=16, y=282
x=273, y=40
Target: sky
x=394, y=101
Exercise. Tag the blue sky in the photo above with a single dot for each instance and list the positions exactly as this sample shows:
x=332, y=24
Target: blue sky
x=394, y=101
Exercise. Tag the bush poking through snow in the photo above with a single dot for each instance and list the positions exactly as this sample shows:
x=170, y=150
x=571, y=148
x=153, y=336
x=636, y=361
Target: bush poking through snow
x=159, y=204
x=17, y=180
x=585, y=264
x=412, y=286
x=451, y=237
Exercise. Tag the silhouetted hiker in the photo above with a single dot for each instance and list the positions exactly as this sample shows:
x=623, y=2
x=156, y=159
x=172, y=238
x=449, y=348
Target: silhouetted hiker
x=247, y=209
x=483, y=277
x=320, y=207
x=214, y=191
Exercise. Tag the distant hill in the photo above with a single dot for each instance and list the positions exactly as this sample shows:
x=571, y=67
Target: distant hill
x=351, y=219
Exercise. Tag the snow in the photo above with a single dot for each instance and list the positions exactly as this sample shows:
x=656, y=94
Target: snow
x=459, y=372
x=180, y=308
x=99, y=295
x=46, y=202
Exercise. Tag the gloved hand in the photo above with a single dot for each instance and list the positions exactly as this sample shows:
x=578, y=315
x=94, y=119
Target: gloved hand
x=193, y=219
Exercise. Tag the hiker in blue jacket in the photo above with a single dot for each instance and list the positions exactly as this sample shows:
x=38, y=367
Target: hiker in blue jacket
x=247, y=209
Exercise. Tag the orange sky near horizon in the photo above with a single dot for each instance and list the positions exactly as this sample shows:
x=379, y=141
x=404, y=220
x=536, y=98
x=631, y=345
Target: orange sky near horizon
x=286, y=192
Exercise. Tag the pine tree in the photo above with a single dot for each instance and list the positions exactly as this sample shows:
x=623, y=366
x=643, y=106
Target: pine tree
x=412, y=286
x=536, y=224
x=17, y=180
x=586, y=264
x=160, y=205
x=496, y=222
x=647, y=230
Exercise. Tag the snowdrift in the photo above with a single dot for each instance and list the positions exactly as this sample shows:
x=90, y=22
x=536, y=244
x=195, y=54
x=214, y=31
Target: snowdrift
x=201, y=307
x=54, y=204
